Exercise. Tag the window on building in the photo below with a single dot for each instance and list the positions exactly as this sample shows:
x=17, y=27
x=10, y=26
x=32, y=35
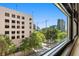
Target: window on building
x=13, y=15
x=18, y=32
x=30, y=32
x=23, y=17
x=18, y=37
x=22, y=22
x=13, y=37
x=13, y=32
x=22, y=36
x=7, y=20
x=13, y=26
x=30, y=19
x=22, y=27
x=18, y=27
x=6, y=26
x=22, y=31
x=18, y=22
x=30, y=27
x=7, y=14
x=30, y=23
x=18, y=17
x=6, y=32
x=13, y=21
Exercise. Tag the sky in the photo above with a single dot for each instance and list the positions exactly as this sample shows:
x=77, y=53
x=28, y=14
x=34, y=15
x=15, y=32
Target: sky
x=41, y=12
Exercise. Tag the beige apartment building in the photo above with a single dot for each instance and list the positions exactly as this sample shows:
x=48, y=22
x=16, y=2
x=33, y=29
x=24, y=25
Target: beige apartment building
x=14, y=24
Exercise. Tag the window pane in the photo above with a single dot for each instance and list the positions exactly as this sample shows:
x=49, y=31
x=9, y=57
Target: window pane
x=36, y=28
x=13, y=15
x=50, y=24
x=7, y=14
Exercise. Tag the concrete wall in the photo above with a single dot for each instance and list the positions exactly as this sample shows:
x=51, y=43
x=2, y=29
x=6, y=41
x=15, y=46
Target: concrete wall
x=10, y=29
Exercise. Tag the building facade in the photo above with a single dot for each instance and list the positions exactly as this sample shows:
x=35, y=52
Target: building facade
x=61, y=24
x=14, y=24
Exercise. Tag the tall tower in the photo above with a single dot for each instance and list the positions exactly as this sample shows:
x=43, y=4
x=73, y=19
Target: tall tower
x=61, y=24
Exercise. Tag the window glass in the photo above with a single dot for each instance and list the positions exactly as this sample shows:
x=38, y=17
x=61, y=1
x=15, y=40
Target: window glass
x=50, y=24
x=44, y=26
x=13, y=21
x=23, y=17
x=7, y=20
x=18, y=32
x=18, y=17
x=6, y=26
x=7, y=14
x=13, y=26
x=13, y=37
x=6, y=32
x=18, y=22
x=13, y=15
x=13, y=32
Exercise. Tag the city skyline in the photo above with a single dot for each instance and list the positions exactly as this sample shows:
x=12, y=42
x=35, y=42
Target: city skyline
x=39, y=11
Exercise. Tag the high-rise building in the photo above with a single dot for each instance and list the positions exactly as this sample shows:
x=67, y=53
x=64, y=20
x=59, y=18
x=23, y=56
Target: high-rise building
x=14, y=24
x=61, y=24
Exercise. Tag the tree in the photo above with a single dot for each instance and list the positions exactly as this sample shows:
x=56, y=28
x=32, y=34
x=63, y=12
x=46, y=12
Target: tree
x=61, y=35
x=37, y=38
x=53, y=34
x=5, y=43
x=25, y=45
x=33, y=42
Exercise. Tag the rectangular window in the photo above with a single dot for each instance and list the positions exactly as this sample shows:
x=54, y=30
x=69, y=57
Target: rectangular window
x=18, y=17
x=18, y=32
x=13, y=26
x=13, y=15
x=13, y=21
x=22, y=22
x=18, y=37
x=6, y=26
x=18, y=22
x=22, y=36
x=22, y=27
x=7, y=14
x=7, y=20
x=23, y=17
x=30, y=19
x=18, y=27
x=22, y=31
x=6, y=32
x=53, y=26
x=30, y=23
x=30, y=32
x=13, y=32
x=30, y=27
x=13, y=37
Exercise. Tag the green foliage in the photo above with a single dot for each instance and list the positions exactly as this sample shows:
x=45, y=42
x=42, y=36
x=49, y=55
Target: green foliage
x=5, y=44
x=35, y=41
x=61, y=35
x=53, y=34
x=25, y=45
